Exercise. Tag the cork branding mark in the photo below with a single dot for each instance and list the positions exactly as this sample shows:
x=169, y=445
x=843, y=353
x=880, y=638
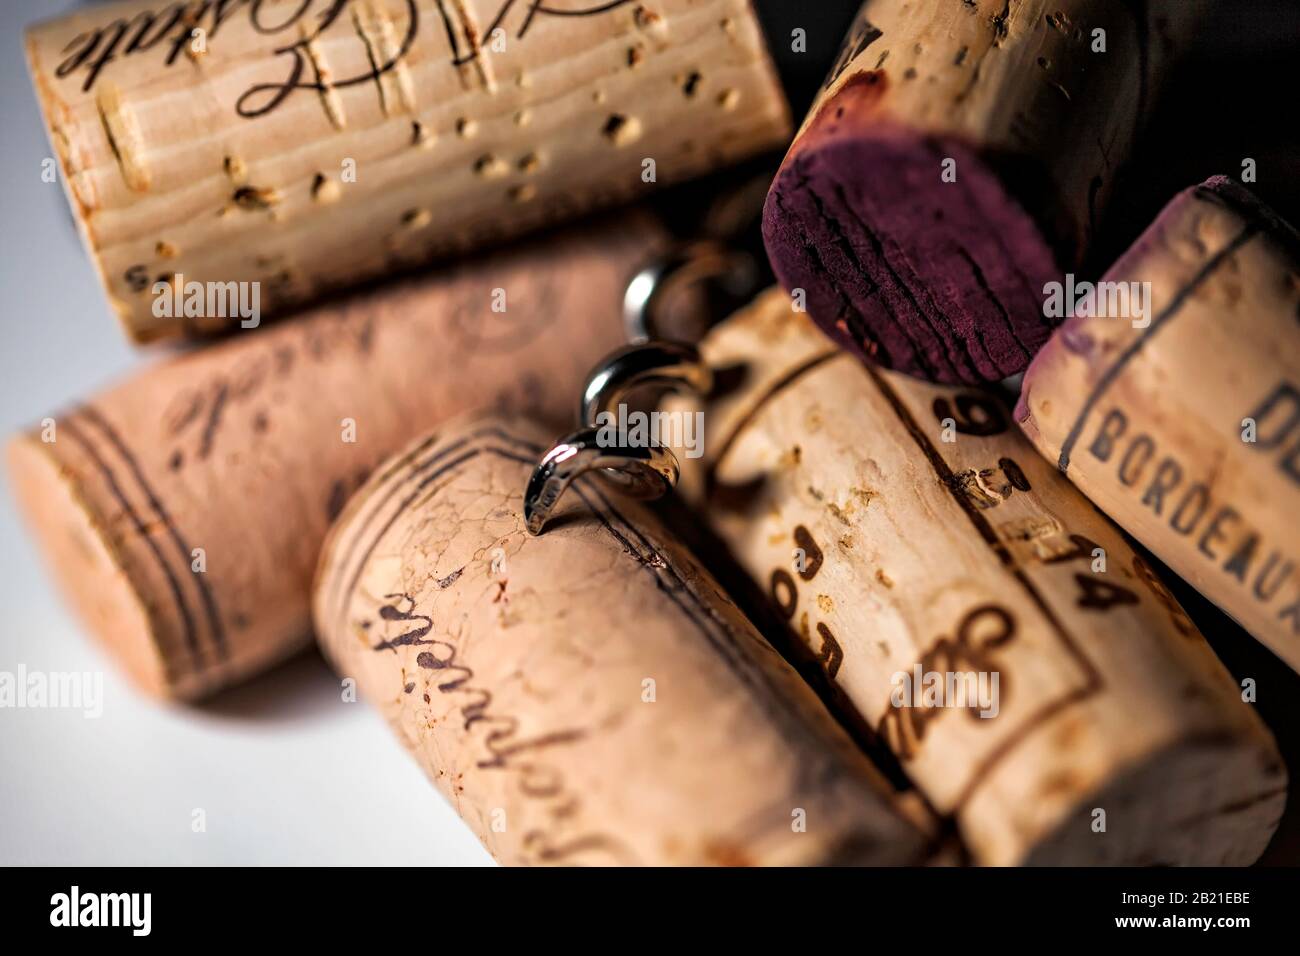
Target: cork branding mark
x=441, y=655
x=989, y=639
x=177, y=27
x=957, y=673
x=504, y=749
x=1167, y=314
x=1183, y=497
x=785, y=595
x=140, y=504
x=436, y=683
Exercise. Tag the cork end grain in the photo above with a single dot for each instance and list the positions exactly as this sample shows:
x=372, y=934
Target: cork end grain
x=1107, y=703
x=82, y=557
x=911, y=249
x=1202, y=801
x=78, y=187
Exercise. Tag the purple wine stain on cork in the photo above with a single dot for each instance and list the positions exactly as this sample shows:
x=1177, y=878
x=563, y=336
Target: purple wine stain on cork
x=941, y=280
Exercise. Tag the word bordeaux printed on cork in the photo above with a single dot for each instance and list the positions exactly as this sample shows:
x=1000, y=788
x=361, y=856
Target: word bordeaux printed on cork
x=308, y=145
x=1187, y=430
x=956, y=160
x=1038, y=683
x=589, y=695
x=183, y=510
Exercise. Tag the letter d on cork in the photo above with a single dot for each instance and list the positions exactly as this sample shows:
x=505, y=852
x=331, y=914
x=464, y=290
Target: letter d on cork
x=589, y=696
x=1183, y=424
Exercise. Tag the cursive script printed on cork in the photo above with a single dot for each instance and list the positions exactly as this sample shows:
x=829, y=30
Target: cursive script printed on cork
x=166, y=31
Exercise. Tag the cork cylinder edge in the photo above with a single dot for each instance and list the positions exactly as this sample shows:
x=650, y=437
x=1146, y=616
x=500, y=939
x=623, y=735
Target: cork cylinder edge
x=82, y=557
x=81, y=211
x=325, y=577
x=772, y=73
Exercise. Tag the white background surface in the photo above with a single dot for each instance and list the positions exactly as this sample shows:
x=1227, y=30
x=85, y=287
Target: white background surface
x=283, y=769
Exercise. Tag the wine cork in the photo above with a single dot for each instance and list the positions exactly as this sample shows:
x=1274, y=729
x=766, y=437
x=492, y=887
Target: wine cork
x=183, y=509
x=956, y=160
x=306, y=146
x=1183, y=422
x=589, y=696
x=1036, y=680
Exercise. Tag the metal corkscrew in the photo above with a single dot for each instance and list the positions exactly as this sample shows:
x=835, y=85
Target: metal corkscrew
x=650, y=361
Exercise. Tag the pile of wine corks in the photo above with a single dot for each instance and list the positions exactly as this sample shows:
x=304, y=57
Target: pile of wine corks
x=905, y=529
x=265, y=155
x=184, y=508
x=947, y=638
x=930, y=218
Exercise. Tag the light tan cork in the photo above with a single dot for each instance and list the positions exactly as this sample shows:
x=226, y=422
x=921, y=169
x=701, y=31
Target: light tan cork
x=589, y=696
x=309, y=145
x=906, y=529
x=1183, y=422
x=182, y=510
